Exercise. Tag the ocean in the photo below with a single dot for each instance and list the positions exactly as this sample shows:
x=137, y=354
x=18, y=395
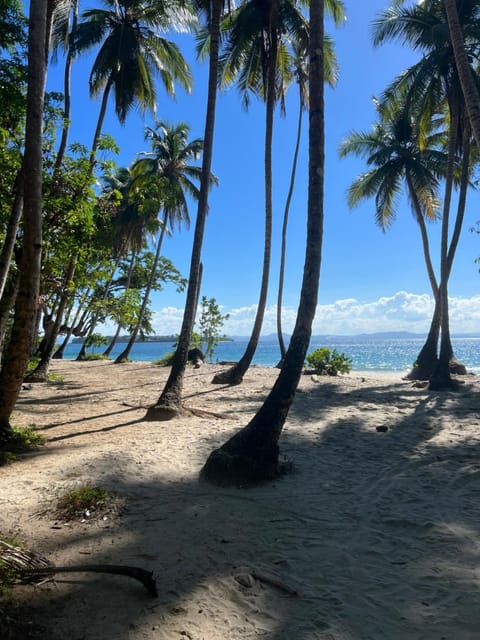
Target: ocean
x=367, y=354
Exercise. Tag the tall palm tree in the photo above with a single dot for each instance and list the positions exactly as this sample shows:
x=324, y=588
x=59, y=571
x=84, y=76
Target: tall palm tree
x=300, y=74
x=256, y=57
x=169, y=170
x=252, y=455
x=169, y=403
x=432, y=83
x=463, y=63
x=20, y=346
x=131, y=53
x=400, y=153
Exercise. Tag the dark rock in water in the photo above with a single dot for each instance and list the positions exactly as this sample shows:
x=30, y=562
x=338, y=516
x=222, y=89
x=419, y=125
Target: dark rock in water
x=382, y=428
x=195, y=356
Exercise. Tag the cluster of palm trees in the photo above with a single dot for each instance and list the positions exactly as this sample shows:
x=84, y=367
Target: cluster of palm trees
x=78, y=246
x=423, y=140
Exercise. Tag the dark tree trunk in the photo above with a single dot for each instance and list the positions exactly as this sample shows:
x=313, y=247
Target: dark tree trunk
x=170, y=402
x=20, y=346
x=252, y=455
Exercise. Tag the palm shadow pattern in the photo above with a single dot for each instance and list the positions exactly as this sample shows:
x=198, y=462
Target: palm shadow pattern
x=377, y=531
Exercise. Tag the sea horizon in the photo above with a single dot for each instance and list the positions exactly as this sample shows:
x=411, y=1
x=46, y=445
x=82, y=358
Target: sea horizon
x=387, y=352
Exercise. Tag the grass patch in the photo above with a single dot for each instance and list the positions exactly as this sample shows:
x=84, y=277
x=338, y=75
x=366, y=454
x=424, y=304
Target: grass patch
x=24, y=439
x=54, y=378
x=83, y=501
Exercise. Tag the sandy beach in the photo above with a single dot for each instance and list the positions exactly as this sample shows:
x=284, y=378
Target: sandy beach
x=373, y=536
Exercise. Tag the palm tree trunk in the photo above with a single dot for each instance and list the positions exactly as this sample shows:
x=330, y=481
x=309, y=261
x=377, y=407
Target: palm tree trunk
x=281, y=277
x=251, y=456
x=236, y=373
x=441, y=378
x=101, y=118
x=66, y=96
x=123, y=357
x=20, y=345
x=11, y=231
x=113, y=341
x=469, y=87
x=170, y=401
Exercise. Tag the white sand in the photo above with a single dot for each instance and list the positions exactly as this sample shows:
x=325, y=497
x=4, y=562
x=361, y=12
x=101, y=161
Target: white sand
x=377, y=532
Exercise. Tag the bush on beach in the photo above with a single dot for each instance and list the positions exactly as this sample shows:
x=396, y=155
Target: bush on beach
x=325, y=362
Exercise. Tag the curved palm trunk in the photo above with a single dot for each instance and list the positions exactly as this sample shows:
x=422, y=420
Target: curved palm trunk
x=123, y=357
x=40, y=373
x=170, y=400
x=469, y=88
x=67, y=96
x=20, y=345
x=441, y=378
x=251, y=456
x=281, y=277
x=7, y=302
x=11, y=231
x=236, y=373
x=113, y=341
x=101, y=118
x=94, y=321
x=59, y=353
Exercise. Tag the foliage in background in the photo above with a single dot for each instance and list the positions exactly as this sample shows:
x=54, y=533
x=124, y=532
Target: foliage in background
x=210, y=325
x=328, y=363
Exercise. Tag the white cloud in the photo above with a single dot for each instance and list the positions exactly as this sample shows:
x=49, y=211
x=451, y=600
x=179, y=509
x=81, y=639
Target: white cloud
x=402, y=311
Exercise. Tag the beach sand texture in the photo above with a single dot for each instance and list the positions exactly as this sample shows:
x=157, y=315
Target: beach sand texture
x=373, y=536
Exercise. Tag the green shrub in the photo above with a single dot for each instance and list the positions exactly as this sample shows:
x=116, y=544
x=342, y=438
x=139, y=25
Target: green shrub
x=24, y=439
x=328, y=363
x=166, y=360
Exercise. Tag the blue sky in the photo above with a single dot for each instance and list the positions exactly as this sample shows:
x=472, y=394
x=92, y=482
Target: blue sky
x=370, y=280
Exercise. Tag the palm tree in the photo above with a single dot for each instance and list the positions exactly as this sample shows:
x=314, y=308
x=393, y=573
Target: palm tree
x=131, y=53
x=463, y=64
x=430, y=84
x=400, y=153
x=170, y=401
x=168, y=170
x=256, y=57
x=251, y=455
x=300, y=73
x=21, y=342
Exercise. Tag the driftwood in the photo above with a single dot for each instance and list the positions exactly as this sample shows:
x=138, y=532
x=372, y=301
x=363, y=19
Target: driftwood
x=29, y=566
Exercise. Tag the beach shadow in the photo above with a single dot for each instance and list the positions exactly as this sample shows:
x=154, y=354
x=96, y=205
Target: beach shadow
x=376, y=530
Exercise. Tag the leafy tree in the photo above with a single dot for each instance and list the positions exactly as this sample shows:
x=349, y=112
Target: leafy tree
x=210, y=324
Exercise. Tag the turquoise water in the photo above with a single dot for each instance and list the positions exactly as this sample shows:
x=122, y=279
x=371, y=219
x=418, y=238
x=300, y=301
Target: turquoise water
x=366, y=354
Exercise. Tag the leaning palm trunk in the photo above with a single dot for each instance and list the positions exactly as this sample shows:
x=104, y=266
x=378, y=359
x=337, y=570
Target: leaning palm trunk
x=441, y=378
x=11, y=231
x=236, y=373
x=469, y=87
x=281, y=277
x=123, y=357
x=252, y=455
x=20, y=345
x=170, y=401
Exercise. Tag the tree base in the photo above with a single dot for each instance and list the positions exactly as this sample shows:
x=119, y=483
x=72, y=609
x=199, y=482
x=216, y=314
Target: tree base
x=227, y=377
x=36, y=376
x=161, y=413
x=230, y=469
x=440, y=382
